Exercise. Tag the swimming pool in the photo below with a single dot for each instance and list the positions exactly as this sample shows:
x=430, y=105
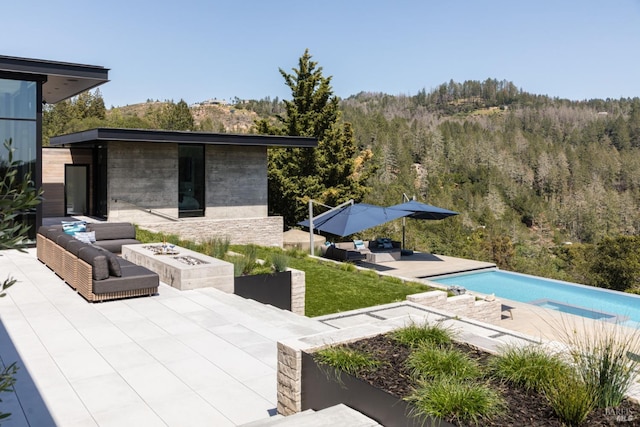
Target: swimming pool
x=586, y=301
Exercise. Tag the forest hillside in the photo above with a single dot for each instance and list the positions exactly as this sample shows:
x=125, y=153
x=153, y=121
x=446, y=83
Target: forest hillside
x=530, y=175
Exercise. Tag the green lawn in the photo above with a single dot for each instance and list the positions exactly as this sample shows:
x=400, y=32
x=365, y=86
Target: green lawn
x=330, y=287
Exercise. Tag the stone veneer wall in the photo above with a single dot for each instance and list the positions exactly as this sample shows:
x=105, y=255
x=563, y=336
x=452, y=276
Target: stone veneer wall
x=462, y=305
x=298, y=290
x=266, y=231
x=289, y=387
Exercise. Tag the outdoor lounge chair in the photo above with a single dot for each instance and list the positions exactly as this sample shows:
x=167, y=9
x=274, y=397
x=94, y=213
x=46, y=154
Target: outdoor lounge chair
x=345, y=251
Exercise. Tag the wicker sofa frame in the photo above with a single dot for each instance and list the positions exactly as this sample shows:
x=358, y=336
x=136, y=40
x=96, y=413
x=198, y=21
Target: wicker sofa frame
x=84, y=286
x=60, y=253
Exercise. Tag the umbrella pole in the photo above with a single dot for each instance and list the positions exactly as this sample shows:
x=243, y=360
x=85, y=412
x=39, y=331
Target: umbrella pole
x=403, y=226
x=405, y=198
x=311, y=226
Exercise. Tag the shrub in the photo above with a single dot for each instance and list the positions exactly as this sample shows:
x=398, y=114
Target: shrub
x=414, y=335
x=250, y=261
x=296, y=253
x=251, y=253
x=570, y=398
x=450, y=398
x=239, y=264
x=217, y=247
x=344, y=359
x=601, y=355
x=280, y=261
x=429, y=362
x=530, y=367
x=16, y=197
x=260, y=269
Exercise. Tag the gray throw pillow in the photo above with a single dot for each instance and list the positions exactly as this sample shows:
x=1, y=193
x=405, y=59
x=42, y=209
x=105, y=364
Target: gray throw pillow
x=112, y=262
x=97, y=260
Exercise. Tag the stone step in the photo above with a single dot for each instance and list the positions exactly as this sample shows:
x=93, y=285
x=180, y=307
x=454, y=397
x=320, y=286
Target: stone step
x=484, y=336
x=271, y=421
x=338, y=415
x=252, y=311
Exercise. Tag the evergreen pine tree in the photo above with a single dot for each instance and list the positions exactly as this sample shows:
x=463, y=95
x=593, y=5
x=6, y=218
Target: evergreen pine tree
x=331, y=174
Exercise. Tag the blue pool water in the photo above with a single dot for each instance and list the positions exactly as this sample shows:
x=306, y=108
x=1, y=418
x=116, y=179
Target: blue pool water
x=586, y=301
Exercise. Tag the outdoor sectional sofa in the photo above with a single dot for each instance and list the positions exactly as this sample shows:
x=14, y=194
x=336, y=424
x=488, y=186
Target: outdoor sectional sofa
x=366, y=251
x=94, y=270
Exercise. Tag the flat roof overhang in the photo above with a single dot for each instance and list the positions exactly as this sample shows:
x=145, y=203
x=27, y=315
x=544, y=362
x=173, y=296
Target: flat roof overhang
x=102, y=135
x=62, y=80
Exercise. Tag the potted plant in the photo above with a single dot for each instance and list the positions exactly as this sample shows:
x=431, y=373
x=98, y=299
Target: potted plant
x=268, y=282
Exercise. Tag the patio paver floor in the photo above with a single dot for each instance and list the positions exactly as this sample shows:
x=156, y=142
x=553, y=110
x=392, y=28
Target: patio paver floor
x=179, y=358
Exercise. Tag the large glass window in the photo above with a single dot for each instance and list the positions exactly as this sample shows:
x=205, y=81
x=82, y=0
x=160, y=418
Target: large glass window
x=190, y=180
x=17, y=99
x=18, y=123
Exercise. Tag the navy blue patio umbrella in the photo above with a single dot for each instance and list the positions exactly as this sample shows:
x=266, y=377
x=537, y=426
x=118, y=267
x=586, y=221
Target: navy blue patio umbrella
x=419, y=210
x=354, y=218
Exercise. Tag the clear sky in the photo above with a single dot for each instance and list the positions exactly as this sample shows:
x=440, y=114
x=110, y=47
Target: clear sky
x=201, y=49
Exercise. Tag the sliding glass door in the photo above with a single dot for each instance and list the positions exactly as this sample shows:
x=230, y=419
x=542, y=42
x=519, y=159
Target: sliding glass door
x=76, y=194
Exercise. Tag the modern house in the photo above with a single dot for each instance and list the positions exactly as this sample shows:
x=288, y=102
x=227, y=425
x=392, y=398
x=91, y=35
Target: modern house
x=196, y=185
x=25, y=85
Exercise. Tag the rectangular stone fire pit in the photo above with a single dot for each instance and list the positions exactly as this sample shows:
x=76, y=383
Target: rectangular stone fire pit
x=182, y=268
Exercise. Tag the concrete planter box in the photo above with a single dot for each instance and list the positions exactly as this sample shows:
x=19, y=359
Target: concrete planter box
x=273, y=289
x=321, y=389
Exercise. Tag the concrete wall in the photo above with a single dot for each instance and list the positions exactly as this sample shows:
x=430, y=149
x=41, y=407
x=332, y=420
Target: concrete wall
x=236, y=182
x=53, y=161
x=143, y=182
x=141, y=176
x=143, y=189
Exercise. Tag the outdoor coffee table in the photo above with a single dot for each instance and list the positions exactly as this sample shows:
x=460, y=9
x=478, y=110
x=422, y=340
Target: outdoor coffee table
x=181, y=268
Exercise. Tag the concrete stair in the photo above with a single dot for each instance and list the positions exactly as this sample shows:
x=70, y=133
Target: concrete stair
x=274, y=322
x=482, y=335
x=339, y=415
